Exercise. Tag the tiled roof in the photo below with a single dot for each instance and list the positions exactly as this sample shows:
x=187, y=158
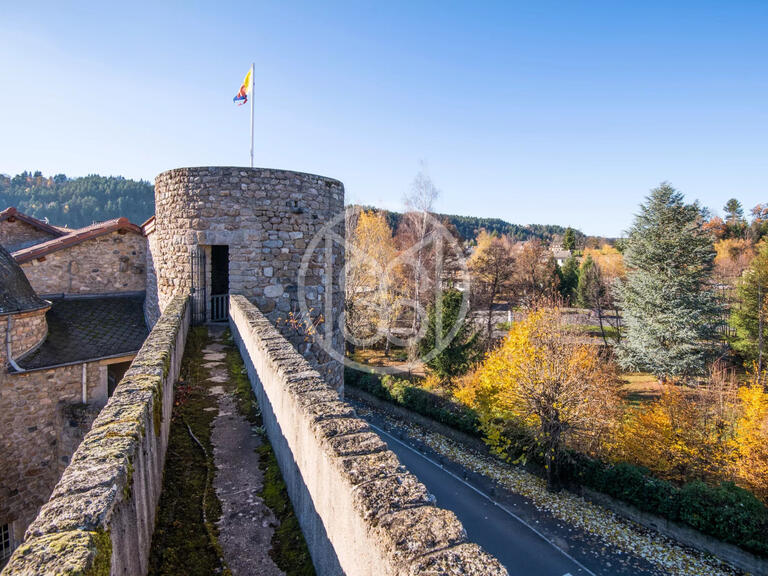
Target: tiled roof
x=16, y=294
x=11, y=213
x=89, y=328
x=75, y=237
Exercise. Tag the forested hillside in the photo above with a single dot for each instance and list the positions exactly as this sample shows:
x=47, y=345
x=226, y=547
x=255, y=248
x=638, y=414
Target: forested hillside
x=469, y=226
x=77, y=202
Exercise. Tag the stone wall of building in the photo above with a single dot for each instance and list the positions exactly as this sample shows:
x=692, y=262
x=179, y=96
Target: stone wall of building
x=42, y=422
x=101, y=515
x=362, y=512
x=114, y=262
x=16, y=234
x=268, y=219
x=28, y=330
x=151, y=304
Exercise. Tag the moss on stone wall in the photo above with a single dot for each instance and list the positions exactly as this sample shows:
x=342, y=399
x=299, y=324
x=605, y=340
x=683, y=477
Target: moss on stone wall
x=102, y=562
x=70, y=553
x=71, y=532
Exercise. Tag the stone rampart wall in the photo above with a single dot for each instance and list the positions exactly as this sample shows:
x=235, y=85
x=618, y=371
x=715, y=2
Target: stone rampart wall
x=101, y=515
x=362, y=512
x=114, y=262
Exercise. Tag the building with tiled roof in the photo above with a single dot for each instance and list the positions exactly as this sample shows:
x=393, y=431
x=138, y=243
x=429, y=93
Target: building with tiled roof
x=102, y=258
x=71, y=320
x=74, y=237
x=19, y=230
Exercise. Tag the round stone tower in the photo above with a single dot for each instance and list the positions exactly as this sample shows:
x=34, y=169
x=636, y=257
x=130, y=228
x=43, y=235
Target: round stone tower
x=229, y=230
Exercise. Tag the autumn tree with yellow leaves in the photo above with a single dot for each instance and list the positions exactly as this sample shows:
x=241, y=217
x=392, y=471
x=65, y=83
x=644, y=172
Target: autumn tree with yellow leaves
x=543, y=388
x=372, y=280
x=750, y=443
x=609, y=260
x=715, y=433
x=733, y=256
x=535, y=272
x=674, y=438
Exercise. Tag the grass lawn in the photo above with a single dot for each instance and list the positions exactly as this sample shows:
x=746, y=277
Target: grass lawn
x=376, y=357
x=591, y=330
x=639, y=387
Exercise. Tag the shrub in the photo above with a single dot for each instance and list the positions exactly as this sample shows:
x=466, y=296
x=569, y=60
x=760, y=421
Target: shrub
x=726, y=512
x=400, y=391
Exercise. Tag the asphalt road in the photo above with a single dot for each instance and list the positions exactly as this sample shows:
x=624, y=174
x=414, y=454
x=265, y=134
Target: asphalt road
x=518, y=546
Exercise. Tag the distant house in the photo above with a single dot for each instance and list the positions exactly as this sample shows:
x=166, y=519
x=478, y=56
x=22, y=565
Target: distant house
x=560, y=255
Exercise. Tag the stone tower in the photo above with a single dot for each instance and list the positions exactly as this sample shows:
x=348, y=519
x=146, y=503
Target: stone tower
x=220, y=230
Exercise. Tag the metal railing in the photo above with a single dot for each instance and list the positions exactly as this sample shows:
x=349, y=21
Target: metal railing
x=219, y=307
x=198, y=291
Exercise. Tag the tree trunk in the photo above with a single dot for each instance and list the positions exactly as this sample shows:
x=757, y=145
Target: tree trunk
x=760, y=308
x=492, y=298
x=551, y=458
x=599, y=311
x=618, y=325
x=422, y=234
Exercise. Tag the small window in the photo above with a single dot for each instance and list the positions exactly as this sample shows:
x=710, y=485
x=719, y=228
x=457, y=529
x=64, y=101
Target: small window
x=6, y=542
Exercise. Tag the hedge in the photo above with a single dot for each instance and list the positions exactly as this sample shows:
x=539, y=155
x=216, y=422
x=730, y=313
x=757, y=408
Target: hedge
x=726, y=512
x=400, y=391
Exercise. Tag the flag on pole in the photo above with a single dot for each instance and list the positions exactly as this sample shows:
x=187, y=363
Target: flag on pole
x=245, y=89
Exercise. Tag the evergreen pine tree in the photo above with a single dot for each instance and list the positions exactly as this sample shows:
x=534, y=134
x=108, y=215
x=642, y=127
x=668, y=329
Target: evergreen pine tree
x=457, y=357
x=736, y=225
x=590, y=283
x=733, y=211
x=750, y=318
x=569, y=239
x=569, y=279
x=670, y=310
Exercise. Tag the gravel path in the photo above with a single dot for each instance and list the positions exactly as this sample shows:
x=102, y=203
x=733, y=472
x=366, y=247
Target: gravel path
x=247, y=524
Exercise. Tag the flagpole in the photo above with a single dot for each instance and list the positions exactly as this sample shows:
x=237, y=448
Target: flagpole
x=253, y=70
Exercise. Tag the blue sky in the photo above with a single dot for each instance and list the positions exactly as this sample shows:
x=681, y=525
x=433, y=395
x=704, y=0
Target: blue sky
x=547, y=112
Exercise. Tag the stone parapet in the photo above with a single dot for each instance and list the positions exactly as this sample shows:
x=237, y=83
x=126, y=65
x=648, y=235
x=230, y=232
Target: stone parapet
x=101, y=515
x=362, y=512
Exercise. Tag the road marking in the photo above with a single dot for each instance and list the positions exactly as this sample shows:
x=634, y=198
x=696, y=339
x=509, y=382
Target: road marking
x=487, y=497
